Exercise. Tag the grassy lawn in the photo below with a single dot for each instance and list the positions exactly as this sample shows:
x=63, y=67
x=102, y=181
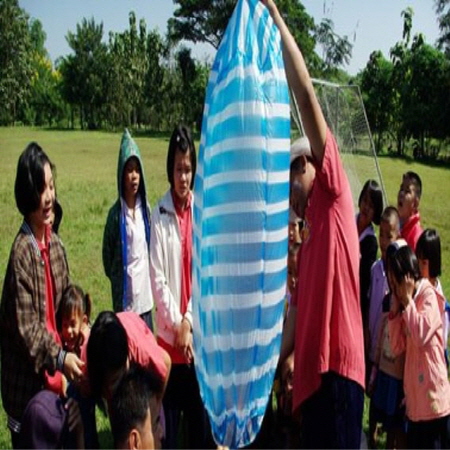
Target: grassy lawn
x=86, y=164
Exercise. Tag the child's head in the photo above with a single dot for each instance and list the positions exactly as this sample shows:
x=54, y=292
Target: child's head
x=73, y=314
x=302, y=174
x=389, y=229
x=181, y=161
x=130, y=174
x=293, y=227
x=409, y=194
x=34, y=186
x=131, y=178
x=135, y=411
x=428, y=251
x=370, y=202
x=401, y=261
x=292, y=266
x=107, y=354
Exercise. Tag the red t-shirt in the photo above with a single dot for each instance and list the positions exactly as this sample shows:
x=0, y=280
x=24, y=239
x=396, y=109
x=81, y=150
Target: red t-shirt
x=54, y=382
x=329, y=334
x=184, y=216
x=411, y=231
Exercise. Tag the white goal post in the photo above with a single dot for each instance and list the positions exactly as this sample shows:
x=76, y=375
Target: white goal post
x=346, y=116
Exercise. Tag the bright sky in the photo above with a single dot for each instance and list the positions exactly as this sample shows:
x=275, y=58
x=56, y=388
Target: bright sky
x=369, y=24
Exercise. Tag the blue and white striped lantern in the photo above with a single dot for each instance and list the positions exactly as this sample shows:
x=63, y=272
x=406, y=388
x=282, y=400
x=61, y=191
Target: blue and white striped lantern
x=240, y=225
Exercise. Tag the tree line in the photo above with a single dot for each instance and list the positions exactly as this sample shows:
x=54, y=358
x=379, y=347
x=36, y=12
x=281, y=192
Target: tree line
x=407, y=96
x=140, y=78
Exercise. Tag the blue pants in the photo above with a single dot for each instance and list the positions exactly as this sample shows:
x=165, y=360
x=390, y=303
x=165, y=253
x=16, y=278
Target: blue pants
x=332, y=416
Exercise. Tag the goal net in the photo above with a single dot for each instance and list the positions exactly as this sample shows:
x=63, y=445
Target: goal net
x=345, y=114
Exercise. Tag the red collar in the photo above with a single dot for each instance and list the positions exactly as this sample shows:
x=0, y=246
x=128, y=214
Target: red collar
x=178, y=206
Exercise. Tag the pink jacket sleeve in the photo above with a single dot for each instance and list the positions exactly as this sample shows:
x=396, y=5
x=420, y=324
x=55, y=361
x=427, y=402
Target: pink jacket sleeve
x=422, y=317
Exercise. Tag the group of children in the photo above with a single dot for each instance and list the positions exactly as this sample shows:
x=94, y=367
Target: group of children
x=407, y=377
x=55, y=368
x=405, y=322
x=405, y=317
x=50, y=354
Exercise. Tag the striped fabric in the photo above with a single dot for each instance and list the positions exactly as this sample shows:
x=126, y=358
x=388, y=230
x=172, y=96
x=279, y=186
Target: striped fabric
x=240, y=225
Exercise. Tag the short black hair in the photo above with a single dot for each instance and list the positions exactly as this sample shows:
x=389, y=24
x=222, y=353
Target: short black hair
x=429, y=247
x=107, y=350
x=58, y=215
x=73, y=299
x=181, y=139
x=30, y=178
x=141, y=184
x=376, y=197
x=389, y=213
x=130, y=402
x=402, y=261
x=416, y=181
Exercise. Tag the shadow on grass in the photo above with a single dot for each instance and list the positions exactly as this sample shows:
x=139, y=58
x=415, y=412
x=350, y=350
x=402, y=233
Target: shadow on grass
x=426, y=161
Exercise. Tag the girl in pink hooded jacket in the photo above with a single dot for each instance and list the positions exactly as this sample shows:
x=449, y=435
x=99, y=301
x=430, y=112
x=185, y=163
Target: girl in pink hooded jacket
x=415, y=325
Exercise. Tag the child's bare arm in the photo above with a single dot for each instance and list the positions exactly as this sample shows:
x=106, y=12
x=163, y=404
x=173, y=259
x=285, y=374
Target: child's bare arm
x=301, y=85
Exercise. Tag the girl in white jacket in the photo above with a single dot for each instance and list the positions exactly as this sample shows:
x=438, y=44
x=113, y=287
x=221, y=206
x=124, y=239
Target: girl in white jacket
x=170, y=270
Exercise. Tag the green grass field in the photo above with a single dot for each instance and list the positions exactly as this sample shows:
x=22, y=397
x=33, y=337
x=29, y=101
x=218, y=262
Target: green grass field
x=86, y=164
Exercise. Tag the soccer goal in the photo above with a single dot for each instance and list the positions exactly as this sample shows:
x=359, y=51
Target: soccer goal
x=345, y=114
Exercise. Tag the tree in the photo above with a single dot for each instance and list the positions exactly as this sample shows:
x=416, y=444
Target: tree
x=135, y=65
x=425, y=94
x=15, y=67
x=200, y=20
x=378, y=95
x=443, y=11
x=84, y=72
x=422, y=100
x=337, y=50
x=193, y=87
x=155, y=78
x=118, y=107
x=206, y=20
x=45, y=104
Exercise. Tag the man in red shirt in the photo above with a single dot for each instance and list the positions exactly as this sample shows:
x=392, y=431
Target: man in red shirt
x=325, y=318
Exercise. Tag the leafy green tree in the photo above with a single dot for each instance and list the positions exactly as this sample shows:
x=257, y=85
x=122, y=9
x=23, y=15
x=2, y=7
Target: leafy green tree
x=409, y=95
x=422, y=95
x=206, y=20
x=84, y=72
x=45, y=104
x=193, y=87
x=154, y=87
x=135, y=64
x=378, y=95
x=425, y=89
x=117, y=104
x=15, y=63
x=337, y=50
x=443, y=11
x=200, y=20
x=126, y=85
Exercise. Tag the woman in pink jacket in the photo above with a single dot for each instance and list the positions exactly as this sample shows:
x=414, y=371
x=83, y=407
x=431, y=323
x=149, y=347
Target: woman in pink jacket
x=415, y=325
